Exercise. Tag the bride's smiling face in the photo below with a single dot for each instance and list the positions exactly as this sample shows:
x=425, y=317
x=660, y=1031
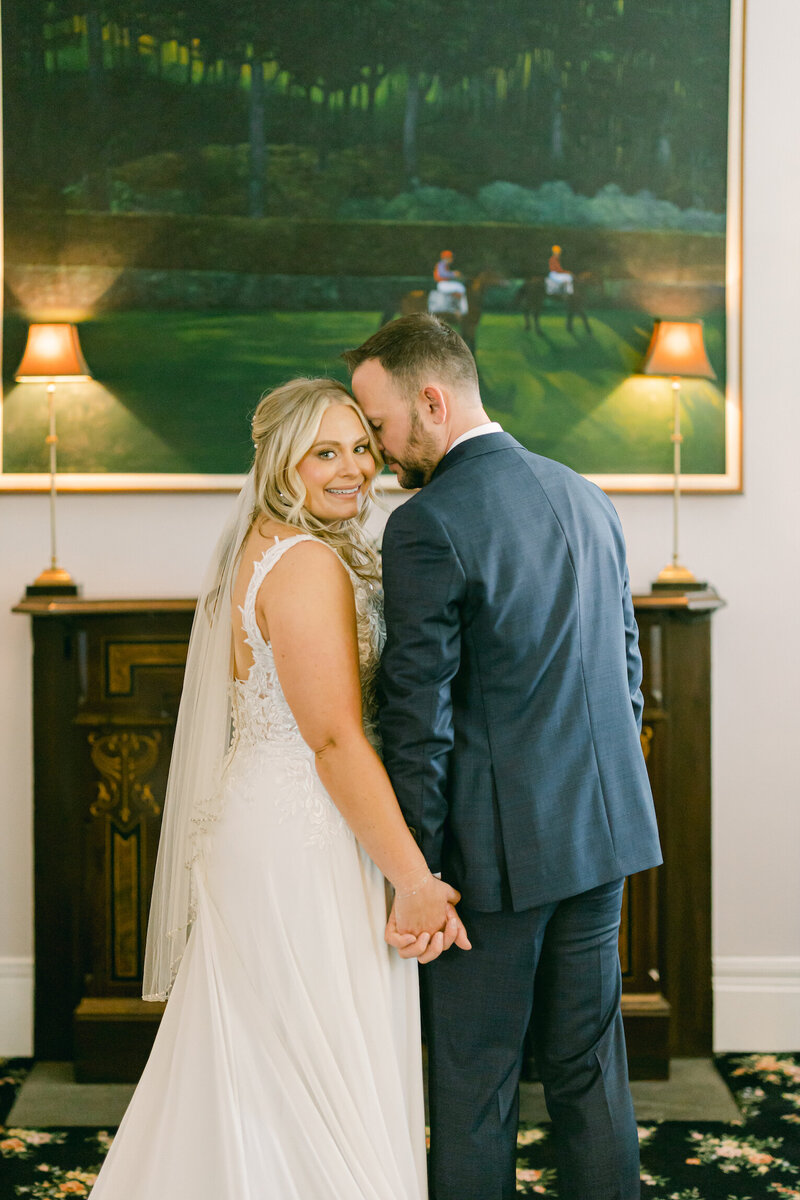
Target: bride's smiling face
x=339, y=467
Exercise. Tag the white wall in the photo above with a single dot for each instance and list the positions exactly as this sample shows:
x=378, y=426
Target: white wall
x=748, y=546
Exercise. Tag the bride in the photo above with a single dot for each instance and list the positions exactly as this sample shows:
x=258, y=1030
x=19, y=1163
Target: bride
x=287, y=1063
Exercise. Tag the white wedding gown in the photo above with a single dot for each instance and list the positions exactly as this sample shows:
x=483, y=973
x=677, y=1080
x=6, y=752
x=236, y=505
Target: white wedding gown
x=287, y=1065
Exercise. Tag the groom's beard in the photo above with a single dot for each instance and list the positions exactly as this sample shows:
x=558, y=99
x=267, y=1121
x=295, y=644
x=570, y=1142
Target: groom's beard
x=420, y=458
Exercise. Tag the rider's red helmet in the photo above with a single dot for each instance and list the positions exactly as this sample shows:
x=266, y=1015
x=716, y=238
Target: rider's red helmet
x=446, y=254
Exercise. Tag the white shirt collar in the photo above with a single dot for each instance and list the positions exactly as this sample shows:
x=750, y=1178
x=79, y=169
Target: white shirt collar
x=478, y=431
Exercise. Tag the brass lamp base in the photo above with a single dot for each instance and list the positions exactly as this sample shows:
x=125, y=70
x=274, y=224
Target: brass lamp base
x=676, y=578
x=52, y=581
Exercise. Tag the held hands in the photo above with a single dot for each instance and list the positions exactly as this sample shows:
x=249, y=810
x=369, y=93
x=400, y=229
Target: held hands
x=427, y=947
x=423, y=922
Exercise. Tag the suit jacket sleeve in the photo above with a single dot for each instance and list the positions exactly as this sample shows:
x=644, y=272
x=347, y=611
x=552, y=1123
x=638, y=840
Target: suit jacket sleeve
x=424, y=585
x=634, y=658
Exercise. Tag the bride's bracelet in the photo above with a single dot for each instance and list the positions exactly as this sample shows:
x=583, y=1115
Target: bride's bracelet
x=413, y=885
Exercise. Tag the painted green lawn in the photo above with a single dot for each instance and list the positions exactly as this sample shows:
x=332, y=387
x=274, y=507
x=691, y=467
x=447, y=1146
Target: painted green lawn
x=577, y=398
x=174, y=391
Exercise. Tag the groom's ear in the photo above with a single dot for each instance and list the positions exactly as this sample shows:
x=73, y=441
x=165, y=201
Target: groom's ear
x=435, y=403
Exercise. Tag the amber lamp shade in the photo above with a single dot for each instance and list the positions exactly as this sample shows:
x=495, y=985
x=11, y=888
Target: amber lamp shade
x=52, y=355
x=677, y=348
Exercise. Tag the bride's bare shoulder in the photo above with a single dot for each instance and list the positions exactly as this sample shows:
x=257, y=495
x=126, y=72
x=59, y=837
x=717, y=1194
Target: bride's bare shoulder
x=264, y=534
x=309, y=557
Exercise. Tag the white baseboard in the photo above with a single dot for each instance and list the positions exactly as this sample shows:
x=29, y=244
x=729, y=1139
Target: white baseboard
x=756, y=1002
x=16, y=1007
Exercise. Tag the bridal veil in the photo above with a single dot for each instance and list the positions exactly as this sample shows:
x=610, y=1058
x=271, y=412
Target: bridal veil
x=202, y=738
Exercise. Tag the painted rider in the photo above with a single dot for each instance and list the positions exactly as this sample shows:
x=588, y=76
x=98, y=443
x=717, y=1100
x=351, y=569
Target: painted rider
x=448, y=281
x=558, y=282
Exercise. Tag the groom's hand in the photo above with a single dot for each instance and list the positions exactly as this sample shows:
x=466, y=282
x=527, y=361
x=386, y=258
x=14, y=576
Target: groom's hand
x=455, y=932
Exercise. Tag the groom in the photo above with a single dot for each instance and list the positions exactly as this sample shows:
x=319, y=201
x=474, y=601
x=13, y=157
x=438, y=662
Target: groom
x=510, y=718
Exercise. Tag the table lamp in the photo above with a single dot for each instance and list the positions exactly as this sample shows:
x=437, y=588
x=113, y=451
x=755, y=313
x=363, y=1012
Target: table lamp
x=677, y=349
x=52, y=355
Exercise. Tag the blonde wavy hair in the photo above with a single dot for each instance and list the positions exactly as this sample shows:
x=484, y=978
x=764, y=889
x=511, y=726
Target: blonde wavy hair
x=285, y=426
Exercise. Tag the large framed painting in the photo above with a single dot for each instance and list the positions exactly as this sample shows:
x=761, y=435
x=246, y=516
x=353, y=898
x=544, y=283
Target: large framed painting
x=220, y=199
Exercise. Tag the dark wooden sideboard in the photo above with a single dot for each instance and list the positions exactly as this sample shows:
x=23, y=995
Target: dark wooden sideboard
x=107, y=679
x=667, y=1000
x=106, y=684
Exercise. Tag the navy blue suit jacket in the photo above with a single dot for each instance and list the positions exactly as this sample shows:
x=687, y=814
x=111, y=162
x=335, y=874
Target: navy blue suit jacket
x=510, y=682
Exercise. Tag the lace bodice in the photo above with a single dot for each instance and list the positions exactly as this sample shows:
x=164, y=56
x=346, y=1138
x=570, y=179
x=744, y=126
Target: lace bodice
x=260, y=711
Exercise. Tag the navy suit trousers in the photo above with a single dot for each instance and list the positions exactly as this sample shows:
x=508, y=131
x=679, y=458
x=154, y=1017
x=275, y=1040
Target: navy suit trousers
x=558, y=965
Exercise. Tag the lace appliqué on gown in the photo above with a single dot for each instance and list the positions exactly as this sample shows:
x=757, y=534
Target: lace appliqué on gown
x=263, y=722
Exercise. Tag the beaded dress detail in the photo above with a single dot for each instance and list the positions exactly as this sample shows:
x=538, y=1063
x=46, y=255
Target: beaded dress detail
x=263, y=723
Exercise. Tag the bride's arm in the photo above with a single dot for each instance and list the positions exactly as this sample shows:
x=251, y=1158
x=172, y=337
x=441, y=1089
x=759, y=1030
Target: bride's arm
x=306, y=606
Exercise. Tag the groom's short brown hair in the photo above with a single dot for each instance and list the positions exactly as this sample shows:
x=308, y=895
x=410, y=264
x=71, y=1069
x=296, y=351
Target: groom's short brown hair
x=410, y=346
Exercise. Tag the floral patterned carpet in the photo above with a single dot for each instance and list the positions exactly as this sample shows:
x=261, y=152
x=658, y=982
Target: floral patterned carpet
x=755, y=1158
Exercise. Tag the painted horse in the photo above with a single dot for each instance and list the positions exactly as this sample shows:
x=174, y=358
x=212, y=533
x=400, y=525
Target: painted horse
x=419, y=300
x=532, y=295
